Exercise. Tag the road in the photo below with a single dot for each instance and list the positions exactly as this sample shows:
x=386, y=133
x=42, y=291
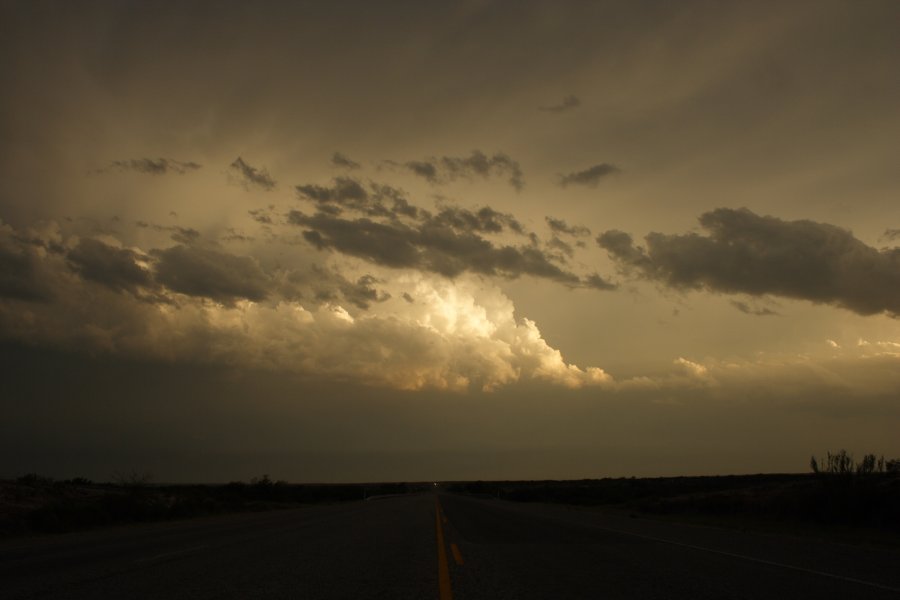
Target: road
x=438, y=546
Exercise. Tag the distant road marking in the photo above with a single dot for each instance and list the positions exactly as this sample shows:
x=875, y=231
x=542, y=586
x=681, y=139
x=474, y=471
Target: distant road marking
x=762, y=561
x=456, y=554
x=443, y=568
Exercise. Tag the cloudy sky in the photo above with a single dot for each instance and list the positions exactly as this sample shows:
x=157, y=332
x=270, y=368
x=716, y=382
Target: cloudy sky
x=355, y=241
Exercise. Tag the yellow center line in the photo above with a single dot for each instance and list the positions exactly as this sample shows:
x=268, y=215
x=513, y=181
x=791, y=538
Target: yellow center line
x=443, y=568
x=456, y=554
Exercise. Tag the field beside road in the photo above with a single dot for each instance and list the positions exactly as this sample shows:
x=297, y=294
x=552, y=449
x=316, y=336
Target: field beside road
x=437, y=545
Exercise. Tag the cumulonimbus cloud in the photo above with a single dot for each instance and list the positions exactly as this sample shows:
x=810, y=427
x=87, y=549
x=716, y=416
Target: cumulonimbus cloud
x=420, y=330
x=746, y=253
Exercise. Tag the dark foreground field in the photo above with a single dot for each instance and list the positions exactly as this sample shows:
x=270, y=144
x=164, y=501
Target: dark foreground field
x=438, y=545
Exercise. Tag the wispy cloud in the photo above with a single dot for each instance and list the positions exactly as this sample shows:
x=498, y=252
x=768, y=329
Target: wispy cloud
x=251, y=177
x=152, y=166
x=568, y=103
x=442, y=170
x=589, y=177
x=343, y=161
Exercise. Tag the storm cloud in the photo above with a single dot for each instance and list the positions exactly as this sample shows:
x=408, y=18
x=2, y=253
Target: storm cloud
x=211, y=274
x=400, y=235
x=589, y=177
x=116, y=268
x=20, y=270
x=316, y=321
x=349, y=194
x=743, y=252
x=251, y=177
x=428, y=246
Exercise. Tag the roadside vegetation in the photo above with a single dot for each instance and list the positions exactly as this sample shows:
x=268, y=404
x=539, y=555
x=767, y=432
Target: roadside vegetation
x=37, y=504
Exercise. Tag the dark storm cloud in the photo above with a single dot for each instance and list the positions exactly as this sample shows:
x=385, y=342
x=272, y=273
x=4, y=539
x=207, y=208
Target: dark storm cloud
x=116, y=268
x=20, y=274
x=343, y=161
x=589, y=177
x=321, y=284
x=390, y=231
x=485, y=220
x=560, y=226
x=159, y=166
x=568, y=103
x=747, y=253
x=201, y=272
x=425, y=245
x=477, y=164
x=362, y=292
x=251, y=177
x=347, y=193
x=752, y=310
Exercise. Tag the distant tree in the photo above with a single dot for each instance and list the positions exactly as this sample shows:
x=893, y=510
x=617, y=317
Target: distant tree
x=842, y=463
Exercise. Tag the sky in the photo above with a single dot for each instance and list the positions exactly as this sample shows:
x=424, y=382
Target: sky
x=356, y=241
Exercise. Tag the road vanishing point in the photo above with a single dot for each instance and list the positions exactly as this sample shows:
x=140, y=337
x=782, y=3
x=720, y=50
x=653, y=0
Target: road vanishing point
x=439, y=546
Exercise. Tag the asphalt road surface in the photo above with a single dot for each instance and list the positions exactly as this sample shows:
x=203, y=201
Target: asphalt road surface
x=438, y=546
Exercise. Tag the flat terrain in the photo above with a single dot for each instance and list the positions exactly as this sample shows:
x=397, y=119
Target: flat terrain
x=387, y=548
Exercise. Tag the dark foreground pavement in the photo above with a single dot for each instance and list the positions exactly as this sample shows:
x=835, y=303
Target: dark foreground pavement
x=387, y=548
